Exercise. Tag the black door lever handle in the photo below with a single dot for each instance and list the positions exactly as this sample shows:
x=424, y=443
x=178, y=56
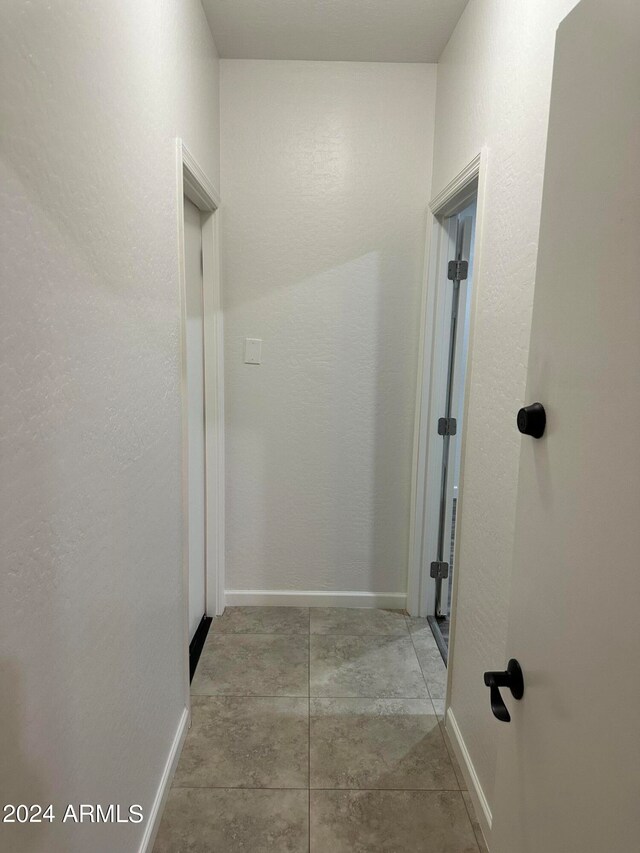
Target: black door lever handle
x=511, y=678
x=532, y=420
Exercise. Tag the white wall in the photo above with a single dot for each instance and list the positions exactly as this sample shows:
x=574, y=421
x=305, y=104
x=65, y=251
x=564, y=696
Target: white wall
x=91, y=617
x=325, y=178
x=494, y=83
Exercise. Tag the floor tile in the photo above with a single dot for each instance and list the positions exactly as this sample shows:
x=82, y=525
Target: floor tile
x=246, y=743
x=390, y=822
x=207, y=820
x=357, y=621
x=378, y=667
x=378, y=743
x=262, y=620
x=433, y=668
x=253, y=665
x=474, y=822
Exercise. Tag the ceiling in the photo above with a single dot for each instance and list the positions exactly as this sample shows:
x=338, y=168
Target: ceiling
x=355, y=30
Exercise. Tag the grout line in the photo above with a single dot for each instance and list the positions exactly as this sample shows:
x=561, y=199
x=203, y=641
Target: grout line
x=250, y=696
x=375, y=699
x=382, y=698
x=236, y=788
x=256, y=696
x=399, y=790
x=362, y=634
x=260, y=633
x=422, y=698
x=355, y=790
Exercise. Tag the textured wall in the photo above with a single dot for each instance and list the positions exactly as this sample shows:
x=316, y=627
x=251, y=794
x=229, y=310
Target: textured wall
x=91, y=619
x=494, y=83
x=325, y=178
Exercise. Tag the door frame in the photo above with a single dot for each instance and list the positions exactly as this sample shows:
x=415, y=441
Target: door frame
x=426, y=471
x=193, y=183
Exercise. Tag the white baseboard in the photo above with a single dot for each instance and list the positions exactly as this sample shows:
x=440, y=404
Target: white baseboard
x=483, y=812
x=155, y=815
x=314, y=598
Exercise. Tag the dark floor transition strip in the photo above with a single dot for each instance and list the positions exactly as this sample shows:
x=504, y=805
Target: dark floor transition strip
x=195, y=646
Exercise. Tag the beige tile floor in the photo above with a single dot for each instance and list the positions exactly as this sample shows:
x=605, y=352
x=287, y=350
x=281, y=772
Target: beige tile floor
x=318, y=731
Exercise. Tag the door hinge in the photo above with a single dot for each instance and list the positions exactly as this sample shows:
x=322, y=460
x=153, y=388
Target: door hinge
x=458, y=270
x=447, y=426
x=439, y=570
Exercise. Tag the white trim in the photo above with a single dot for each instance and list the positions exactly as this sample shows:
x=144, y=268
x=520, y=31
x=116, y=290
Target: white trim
x=197, y=186
x=315, y=598
x=449, y=195
x=480, y=803
x=155, y=814
x=452, y=196
x=417, y=509
x=193, y=183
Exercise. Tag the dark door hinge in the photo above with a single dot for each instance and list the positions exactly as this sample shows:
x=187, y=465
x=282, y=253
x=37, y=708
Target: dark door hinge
x=447, y=426
x=458, y=270
x=439, y=570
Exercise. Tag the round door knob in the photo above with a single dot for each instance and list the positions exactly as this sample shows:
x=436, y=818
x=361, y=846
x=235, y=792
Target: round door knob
x=532, y=420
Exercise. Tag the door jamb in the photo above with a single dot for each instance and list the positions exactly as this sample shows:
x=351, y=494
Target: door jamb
x=424, y=485
x=193, y=183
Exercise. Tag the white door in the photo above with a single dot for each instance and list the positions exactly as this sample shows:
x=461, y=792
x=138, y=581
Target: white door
x=568, y=773
x=195, y=395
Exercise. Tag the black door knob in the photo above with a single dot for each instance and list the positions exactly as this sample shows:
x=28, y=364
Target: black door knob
x=532, y=420
x=511, y=678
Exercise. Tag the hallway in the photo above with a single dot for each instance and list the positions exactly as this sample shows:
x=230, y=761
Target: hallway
x=318, y=729
x=315, y=319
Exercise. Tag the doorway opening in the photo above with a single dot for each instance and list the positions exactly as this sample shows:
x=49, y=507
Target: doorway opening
x=194, y=350
x=450, y=357
x=446, y=342
x=202, y=406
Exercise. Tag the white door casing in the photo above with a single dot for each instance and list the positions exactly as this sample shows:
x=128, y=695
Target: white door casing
x=193, y=184
x=470, y=182
x=568, y=775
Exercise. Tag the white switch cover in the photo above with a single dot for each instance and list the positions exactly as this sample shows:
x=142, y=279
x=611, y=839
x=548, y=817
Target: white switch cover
x=252, y=351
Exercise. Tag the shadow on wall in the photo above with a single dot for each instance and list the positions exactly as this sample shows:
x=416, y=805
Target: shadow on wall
x=326, y=172
x=331, y=462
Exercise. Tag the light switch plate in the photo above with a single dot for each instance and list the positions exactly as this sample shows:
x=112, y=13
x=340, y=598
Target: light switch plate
x=252, y=351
